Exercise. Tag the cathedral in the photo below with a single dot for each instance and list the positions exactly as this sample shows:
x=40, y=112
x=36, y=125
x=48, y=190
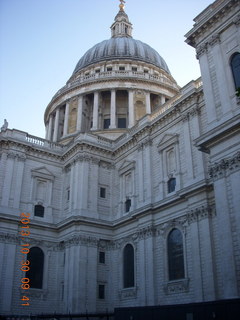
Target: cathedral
x=133, y=197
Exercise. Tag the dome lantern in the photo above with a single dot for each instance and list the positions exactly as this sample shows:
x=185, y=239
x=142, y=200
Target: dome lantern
x=121, y=27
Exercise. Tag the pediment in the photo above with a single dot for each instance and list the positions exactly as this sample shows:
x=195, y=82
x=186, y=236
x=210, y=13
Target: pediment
x=127, y=166
x=167, y=140
x=42, y=172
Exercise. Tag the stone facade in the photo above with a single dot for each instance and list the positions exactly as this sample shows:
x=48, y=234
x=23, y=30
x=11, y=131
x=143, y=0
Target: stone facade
x=173, y=165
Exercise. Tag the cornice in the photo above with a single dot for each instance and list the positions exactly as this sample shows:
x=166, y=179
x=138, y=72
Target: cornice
x=209, y=17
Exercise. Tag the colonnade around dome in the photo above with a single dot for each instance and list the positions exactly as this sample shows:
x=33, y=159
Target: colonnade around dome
x=115, y=109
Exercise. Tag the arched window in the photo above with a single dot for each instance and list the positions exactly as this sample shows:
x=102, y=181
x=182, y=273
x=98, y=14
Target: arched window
x=128, y=203
x=235, y=65
x=35, y=274
x=175, y=255
x=128, y=266
x=171, y=185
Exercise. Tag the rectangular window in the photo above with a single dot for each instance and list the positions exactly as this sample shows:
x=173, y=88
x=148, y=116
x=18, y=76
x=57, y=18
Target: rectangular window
x=121, y=68
x=122, y=122
x=97, y=71
x=101, y=291
x=134, y=68
x=68, y=194
x=109, y=68
x=106, y=123
x=145, y=71
x=101, y=257
x=39, y=211
x=102, y=192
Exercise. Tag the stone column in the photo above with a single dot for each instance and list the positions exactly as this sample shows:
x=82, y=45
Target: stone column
x=50, y=124
x=148, y=103
x=46, y=130
x=56, y=123
x=66, y=116
x=113, y=110
x=79, y=113
x=163, y=100
x=130, y=109
x=95, y=111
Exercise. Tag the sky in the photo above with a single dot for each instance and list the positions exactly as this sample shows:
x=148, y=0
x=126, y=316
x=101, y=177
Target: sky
x=41, y=42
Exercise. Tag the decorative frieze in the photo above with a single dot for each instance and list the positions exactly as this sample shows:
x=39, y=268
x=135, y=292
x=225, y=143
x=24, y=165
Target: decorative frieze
x=203, y=48
x=79, y=240
x=129, y=293
x=178, y=286
x=200, y=213
x=9, y=238
x=219, y=169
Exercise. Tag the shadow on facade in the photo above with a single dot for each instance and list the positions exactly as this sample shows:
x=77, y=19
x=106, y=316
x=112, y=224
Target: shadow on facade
x=216, y=310
x=213, y=310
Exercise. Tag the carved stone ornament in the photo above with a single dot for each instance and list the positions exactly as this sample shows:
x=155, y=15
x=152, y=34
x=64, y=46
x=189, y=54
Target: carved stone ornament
x=178, y=286
x=129, y=293
x=218, y=169
x=200, y=213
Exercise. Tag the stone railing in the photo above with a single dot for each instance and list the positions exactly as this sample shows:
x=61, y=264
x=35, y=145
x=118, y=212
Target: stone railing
x=113, y=75
x=21, y=136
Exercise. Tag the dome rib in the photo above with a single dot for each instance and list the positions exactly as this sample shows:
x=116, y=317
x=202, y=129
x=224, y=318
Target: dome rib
x=121, y=48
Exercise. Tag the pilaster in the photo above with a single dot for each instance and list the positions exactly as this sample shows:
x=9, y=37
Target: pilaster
x=18, y=182
x=8, y=179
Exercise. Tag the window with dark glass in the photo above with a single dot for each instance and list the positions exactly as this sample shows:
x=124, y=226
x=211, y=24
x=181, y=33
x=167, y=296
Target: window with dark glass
x=35, y=274
x=171, y=185
x=97, y=71
x=128, y=266
x=175, y=255
x=101, y=291
x=102, y=192
x=109, y=68
x=134, y=68
x=128, y=205
x=122, y=122
x=39, y=210
x=101, y=257
x=106, y=123
x=235, y=65
x=121, y=68
x=68, y=194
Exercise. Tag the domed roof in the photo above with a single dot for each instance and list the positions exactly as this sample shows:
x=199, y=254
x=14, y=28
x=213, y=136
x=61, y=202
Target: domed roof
x=121, y=48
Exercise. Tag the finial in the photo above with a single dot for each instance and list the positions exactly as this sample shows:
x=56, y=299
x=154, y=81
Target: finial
x=122, y=6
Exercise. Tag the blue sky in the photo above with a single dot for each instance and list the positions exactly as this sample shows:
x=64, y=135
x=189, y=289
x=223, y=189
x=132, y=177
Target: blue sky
x=42, y=40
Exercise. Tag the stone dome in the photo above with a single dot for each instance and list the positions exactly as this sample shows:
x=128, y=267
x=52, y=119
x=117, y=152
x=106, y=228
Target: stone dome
x=121, y=48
